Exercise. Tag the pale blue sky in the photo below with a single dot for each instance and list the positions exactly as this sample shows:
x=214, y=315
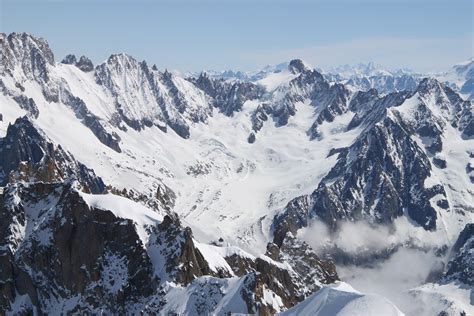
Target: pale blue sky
x=425, y=35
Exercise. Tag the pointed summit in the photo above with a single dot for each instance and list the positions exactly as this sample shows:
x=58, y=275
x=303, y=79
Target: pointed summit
x=297, y=66
x=85, y=64
x=69, y=59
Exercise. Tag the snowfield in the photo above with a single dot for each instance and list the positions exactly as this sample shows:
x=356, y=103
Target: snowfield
x=229, y=190
x=342, y=300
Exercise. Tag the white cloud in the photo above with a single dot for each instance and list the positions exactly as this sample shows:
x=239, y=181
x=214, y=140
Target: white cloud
x=354, y=237
x=420, y=54
x=408, y=267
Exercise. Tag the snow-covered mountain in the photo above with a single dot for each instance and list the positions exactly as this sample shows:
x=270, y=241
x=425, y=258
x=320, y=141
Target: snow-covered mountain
x=127, y=189
x=363, y=77
x=461, y=78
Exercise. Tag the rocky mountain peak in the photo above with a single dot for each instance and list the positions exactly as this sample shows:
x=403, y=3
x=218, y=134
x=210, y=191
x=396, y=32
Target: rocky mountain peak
x=32, y=54
x=85, y=64
x=121, y=59
x=28, y=155
x=334, y=153
x=298, y=66
x=429, y=84
x=69, y=59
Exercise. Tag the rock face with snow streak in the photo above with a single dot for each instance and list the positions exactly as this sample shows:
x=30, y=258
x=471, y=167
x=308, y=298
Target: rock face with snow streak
x=68, y=252
x=84, y=63
x=320, y=151
x=62, y=252
x=310, y=86
x=28, y=155
x=146, y=97
x=227, y=97
x=461, y=266
x=384, y=171
x=30, y=58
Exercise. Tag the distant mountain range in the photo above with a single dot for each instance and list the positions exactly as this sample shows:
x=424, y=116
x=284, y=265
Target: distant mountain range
x=126, y=189
x=366, y=76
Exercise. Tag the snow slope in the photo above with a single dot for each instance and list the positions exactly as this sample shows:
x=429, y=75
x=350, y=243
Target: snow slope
x=226, y=187
x=342, y=300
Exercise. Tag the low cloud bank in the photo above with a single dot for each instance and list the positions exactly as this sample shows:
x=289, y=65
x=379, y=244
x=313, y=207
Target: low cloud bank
x=354, y=237
x=412, y=255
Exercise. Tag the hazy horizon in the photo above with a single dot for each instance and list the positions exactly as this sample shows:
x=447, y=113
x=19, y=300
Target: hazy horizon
x=425, y=36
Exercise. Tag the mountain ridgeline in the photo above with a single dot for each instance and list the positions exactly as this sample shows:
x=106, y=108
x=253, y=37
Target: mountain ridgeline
x=127, y=189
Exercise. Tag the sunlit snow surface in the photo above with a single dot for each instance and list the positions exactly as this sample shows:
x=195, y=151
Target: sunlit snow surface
x=342, y=300
x=240, y=185
x=225, y=186
x=125, y=208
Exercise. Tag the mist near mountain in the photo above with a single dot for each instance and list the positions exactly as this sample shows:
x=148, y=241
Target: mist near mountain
x=128, y=189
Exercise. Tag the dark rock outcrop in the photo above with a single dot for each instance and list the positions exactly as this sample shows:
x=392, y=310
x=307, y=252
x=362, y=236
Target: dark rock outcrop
x=183, y=262
x=297, y=66
x=27, y=155
x=74, y=253
x=228, y=97
x=461, y=266
x=69, y=60
x=85, y=64
x=33, y=58
x=87, y=118
x=165, y=102
x=290, y=270
x=381, y=174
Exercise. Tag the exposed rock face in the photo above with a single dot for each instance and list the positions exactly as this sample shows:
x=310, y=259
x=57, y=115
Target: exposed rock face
x=307, y=266
x=461, y=267
x=164, y=198
x=292, y=271
x=69, y=60
x=384, y=171
x=151, y=97
x=73, y=252
x=27, y=155
x=294, y=217
x=332, y=102
x=298, y=66
x=27, y=104
x=370, y=108
x=305, y=86
x=260, y=116
x=310, y=86
x=451, y=109
x=85, y=64
x=24, y=102
x=182, y=261
x=31, y=54
x=56, y=248
x=111, y=140
x=32, y=58
x=228, y=97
